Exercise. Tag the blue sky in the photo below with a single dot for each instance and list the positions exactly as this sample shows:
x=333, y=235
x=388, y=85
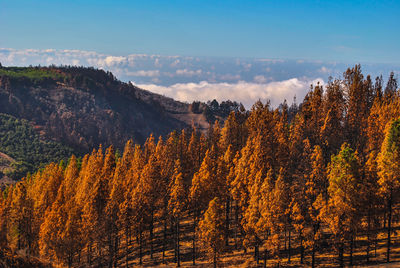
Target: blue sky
x=341, y=31
x=201, y=50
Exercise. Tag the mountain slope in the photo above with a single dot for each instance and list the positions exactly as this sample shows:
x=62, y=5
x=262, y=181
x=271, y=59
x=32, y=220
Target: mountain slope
x=48, y=113
x=85, y=107
x=24, y=150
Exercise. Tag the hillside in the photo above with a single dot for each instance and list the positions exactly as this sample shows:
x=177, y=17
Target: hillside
x=75, y=109
x=24, y=150
x=84, y=107
x=5, y=168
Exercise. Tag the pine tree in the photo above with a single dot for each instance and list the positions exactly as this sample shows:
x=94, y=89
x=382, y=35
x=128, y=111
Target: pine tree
x=108, y=227
x=120, y=207
x=389, y=173
x=166, y=157
x=357, y=94
x=341, y=213
x=391, y=87
x=60, y=233
x=251, y=221
x=21, y=210
x=204, y=187
x=147, y=197
x=178, y=203
x=310, y=111
x=231, y=134
x=211, y=229
x=332, y=128
x=3, y=219
x=92, y=196
x=316, y=197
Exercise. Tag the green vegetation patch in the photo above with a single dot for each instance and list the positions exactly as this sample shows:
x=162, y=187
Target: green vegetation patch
x=33, y=73
x=19, y=140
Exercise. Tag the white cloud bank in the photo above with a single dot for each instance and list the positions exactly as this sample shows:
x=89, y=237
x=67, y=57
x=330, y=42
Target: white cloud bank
x=188, y=78
x=245, y=92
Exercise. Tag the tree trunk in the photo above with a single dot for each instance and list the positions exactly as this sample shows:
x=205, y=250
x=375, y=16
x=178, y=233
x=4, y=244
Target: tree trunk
x=384, y=220
x=389, y=224
x=289, y=246
x=313, y=256
x=19, y=238
x=368, y=233
x=116, y=243
x=177, y=242
x=285, y=239
x=215, y=258
x=69, y=260
x=236, y=223
x=315, y=228
x=140, y=246
x=265, y=257
x=256, y=254
x=227, y=222
x=301, y=250
x=351, y=250
x=151, y=234
x=89, y=255
x=165, y=240
x=99, y=254
x=126, y=246
x=194, y=238
x=110, y=250
x=341, y=248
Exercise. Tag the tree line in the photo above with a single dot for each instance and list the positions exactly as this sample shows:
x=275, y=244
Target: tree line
x=304, y=179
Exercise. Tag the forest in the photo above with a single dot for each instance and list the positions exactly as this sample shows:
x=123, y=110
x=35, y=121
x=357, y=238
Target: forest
x=19, y=140
x=312, y=184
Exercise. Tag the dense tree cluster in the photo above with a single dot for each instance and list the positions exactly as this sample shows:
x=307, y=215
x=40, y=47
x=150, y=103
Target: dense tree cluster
x=19, y=140
x=283, y=182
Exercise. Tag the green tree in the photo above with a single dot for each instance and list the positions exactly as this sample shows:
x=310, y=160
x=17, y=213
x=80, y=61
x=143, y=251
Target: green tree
x=389, y=173
x=342, y=211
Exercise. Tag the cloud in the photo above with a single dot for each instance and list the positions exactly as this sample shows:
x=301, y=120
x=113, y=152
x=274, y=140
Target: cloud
x=324, y=70
x=157, y=63
x=172, y=70
x=230, y=77
x=187, y=72
x=112, y=60
x=175, y=63
x=247, y=66
x=260, y=79
x=273, y=61
x=245, y=92
x=148, y=73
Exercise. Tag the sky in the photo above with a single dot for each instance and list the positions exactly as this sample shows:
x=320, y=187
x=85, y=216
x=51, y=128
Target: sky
x=205, y=45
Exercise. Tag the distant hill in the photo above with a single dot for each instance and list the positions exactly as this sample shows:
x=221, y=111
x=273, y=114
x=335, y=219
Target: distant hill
x=79, y=108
